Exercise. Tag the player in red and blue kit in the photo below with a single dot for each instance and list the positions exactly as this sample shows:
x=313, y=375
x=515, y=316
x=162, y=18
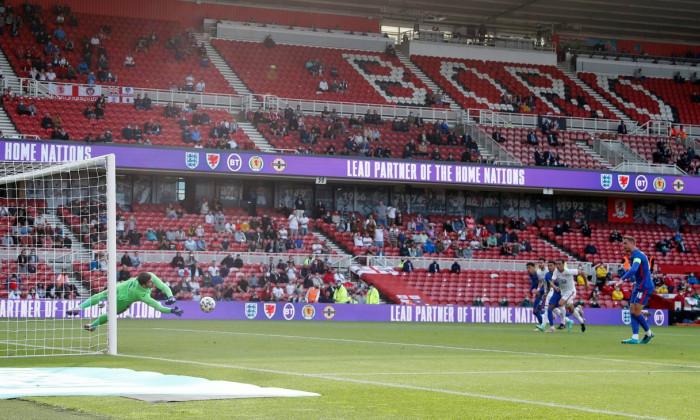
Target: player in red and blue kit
x=643, y=288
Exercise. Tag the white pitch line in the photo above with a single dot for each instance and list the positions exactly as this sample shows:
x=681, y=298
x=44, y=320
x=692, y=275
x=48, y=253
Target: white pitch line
x=401, y=386
x=432, y=346
x=508, y=372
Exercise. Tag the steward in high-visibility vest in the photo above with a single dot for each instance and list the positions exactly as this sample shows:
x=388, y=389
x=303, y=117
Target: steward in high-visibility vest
x=626, y=263
x=313, y=294
x=372, y=295
x=341, y=294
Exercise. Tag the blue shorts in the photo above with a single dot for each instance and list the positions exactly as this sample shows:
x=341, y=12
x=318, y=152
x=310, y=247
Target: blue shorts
x=641, y=296
x=554, y=300
x=537, y=306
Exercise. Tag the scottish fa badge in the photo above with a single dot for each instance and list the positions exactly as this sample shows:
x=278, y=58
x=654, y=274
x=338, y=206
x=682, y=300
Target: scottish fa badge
x=192, y=160
x=626, y=317
x=606, y=181
x=251, y=310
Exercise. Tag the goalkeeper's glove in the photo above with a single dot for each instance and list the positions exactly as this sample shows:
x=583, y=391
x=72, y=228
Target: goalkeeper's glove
x=170, y=300
x=177, y=311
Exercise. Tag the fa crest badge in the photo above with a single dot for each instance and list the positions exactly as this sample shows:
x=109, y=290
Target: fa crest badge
x=251, y=310
x=606, y=181
x=192, y=160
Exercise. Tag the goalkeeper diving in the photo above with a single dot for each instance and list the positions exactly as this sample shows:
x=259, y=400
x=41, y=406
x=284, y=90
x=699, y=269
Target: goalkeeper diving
x=136, y=289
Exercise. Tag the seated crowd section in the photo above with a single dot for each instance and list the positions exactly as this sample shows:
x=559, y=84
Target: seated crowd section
x=203, y=245
x=137, y=123
x=660, y=242
x=325, y=74
x=57, y=45
x=365, y=135
x=653, y=98
x=81, y=48
x=510, y=87
x=26, y=233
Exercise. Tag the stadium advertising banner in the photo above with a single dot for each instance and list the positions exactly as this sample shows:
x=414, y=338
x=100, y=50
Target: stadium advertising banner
x=346, y=168
x=323, y=312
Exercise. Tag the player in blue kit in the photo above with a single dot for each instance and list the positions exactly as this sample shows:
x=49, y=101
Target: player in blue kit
x=536, y=291
x=643, y=288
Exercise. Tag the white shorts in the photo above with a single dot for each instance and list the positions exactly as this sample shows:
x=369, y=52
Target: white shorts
x=569, y=297
x=549, y=297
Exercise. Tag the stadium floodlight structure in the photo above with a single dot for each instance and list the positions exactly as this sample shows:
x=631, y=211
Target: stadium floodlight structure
x=64, y=199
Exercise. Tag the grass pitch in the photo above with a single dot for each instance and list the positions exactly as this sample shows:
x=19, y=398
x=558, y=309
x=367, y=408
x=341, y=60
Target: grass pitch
x=386, y=370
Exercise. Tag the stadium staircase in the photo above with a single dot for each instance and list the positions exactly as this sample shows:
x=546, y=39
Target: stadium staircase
x=564, y=67
x=6, y=126
x=406, y=61
x=225, y=70
x=256, y=137
x=342, y=253
x=597, y=157
x=77, y=252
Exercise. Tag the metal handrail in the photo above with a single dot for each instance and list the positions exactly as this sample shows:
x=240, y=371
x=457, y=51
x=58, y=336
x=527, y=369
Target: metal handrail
x=635, y=57
x=232, y=103
x=489, y=42
x=386, y=111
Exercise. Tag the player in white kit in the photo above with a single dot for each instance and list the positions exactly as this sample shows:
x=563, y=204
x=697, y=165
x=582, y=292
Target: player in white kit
x=567, y=286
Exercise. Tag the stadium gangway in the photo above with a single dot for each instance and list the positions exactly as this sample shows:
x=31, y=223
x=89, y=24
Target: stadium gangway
x=465, y=263
x=650, y=168
x=639, y=58
x=490, y=146
x=506, y=119
x=346, y=109
x=231, y=103
x=615, y=151
x=663, y=128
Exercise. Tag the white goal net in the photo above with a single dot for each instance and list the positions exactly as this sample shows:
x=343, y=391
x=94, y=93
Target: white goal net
x=57, y=248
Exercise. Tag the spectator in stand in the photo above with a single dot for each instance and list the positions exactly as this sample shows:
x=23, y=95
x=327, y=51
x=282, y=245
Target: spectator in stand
x=615, y=236
x=590, y=249
x=497, y=137
x=531, y=138
x=47, y=122
x=622, y=128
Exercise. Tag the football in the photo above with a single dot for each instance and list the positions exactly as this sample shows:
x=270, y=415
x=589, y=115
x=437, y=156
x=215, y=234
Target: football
x=207, y=304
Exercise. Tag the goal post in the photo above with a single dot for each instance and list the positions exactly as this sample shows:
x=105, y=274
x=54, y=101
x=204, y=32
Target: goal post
x=57, y=248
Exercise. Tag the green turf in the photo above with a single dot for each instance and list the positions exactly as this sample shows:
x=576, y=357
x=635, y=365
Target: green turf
x=386, y=370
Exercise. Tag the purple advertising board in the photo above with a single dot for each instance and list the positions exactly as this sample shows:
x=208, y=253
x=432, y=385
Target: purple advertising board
x=281, y=311
x=347, y=168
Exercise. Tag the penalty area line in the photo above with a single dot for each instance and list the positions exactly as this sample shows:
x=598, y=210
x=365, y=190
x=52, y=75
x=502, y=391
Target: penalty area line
x=432, y=346
x=400, y=386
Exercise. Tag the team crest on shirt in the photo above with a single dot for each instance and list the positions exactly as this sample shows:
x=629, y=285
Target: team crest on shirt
x=192, y=160
x=623, y=181
x=251, y=310
x=626, y=317
x=213, y=160
x=269, y=309
x=606, y=181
